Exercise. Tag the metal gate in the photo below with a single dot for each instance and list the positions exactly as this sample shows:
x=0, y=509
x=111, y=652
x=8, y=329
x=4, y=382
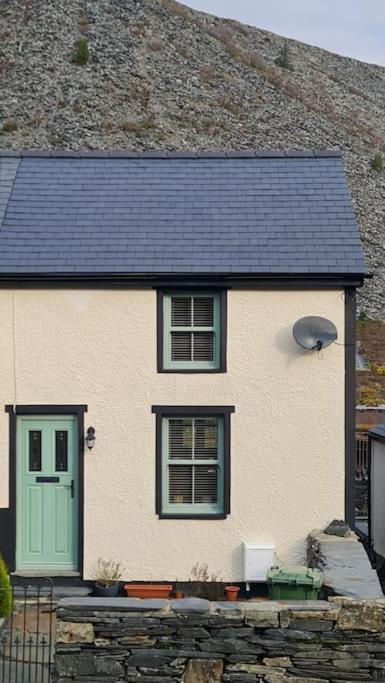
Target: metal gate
x=27, y=635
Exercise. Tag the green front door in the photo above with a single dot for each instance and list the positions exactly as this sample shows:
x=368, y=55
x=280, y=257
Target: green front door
x=47, y=494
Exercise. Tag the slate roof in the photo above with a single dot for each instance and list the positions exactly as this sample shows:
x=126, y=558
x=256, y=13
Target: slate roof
x=240, y=212
x=378, y=430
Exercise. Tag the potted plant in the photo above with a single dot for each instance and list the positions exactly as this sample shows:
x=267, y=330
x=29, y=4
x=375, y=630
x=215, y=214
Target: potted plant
x=148, y=590
x=106, y=578
x=205, y=583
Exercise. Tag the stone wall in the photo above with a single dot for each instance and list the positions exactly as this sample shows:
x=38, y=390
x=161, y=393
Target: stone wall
x=194, y=641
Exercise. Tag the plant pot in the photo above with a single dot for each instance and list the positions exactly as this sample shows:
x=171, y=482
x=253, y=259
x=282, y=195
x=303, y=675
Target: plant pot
x=151, y=590
x=232, y=593
x=106, y=591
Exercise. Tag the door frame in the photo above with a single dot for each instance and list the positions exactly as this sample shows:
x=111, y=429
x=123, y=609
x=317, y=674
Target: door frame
x=8, y=520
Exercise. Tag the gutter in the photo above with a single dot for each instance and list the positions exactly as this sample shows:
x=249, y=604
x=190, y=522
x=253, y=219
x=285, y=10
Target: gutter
x=245, y=280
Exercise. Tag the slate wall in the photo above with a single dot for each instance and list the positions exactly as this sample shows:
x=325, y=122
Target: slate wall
x=345, y=565
x=195, y=641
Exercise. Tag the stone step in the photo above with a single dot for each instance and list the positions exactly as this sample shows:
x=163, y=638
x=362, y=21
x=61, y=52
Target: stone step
x=58, y=591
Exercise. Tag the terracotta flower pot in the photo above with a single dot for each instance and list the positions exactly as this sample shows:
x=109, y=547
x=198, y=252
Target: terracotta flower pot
x=150, y=590
x=232, y=593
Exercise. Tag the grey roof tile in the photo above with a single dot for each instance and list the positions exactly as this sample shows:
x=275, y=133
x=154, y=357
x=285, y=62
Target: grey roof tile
x=378, y=430
x=8, y=170
x=246, y=212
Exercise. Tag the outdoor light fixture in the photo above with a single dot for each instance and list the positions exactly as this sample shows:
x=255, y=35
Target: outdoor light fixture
x=90, y=438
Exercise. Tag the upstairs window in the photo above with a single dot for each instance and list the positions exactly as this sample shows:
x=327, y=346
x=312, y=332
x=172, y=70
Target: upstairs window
x=193, y=332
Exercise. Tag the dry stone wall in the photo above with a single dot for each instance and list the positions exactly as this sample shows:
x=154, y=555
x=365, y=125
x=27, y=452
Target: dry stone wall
x=195, y=641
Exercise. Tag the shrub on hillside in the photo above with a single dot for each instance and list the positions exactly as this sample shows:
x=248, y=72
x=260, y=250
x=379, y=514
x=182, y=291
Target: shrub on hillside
x=377, y=163
x=81, y=52
x=283, y=60
x=5, y=590
x=138, y=127
x=156, y=44
x=9, y=126
x=177, y=8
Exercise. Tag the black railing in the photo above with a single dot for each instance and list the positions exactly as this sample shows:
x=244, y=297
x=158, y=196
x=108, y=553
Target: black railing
x=27, y=635
x=362, y=455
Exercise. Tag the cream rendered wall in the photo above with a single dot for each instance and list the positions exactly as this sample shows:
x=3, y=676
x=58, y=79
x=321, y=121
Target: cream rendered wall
x=99, y=347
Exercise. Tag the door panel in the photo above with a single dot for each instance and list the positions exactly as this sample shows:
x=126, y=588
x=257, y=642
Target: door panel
x=35, y=510
x=47, y=493
x=62, y=506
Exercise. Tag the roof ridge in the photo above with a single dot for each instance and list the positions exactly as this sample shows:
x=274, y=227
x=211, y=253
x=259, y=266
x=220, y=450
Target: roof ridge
x=225, y=154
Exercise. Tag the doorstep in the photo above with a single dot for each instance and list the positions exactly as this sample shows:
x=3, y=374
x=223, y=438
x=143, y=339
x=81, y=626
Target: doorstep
x=39, y=574
x=38, y=586
x=58, y=591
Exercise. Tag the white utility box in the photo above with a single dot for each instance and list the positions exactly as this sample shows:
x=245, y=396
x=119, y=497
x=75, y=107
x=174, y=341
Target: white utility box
x=257, y=560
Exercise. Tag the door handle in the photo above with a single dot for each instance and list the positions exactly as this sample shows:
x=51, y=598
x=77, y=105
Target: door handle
x=72, y=487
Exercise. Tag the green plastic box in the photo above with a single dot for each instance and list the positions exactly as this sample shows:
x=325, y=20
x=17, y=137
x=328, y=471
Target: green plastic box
x=294, y=583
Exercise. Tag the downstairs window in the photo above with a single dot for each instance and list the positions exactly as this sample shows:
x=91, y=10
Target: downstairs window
x=193, y=454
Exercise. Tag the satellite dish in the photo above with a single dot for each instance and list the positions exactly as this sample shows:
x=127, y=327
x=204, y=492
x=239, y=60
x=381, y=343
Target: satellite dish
x=314, y=333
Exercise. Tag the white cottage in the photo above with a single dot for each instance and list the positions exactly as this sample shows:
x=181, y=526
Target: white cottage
x=157, y=408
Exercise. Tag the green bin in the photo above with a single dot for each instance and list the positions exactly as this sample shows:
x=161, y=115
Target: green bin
x=294, y=583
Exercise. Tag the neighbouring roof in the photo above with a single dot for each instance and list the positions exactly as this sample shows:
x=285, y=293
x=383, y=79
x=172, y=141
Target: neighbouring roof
x=240, y=212
x=378, y=430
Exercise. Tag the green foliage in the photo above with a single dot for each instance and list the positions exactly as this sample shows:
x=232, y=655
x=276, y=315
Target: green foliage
x=369, y=396
x=361, y=319
x=5, y=590
x=377, y=163
x=130, y=126
x=148, y=122
x=283, y=60
x=9, y=126
x=81, y=52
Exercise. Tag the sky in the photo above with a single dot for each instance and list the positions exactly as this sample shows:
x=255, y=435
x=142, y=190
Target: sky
x=355, y=28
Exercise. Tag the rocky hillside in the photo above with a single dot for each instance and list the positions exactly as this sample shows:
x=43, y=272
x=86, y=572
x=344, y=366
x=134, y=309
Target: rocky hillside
x=152, y=74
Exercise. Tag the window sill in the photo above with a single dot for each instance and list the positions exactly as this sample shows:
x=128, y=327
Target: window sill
x=189, y=371
x=214, y=515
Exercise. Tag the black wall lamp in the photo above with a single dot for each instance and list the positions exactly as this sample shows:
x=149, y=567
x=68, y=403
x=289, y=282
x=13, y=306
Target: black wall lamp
x=90, y=438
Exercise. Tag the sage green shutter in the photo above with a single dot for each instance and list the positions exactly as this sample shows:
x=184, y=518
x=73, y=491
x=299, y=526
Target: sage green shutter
x=192, y=465
x=191, y=331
